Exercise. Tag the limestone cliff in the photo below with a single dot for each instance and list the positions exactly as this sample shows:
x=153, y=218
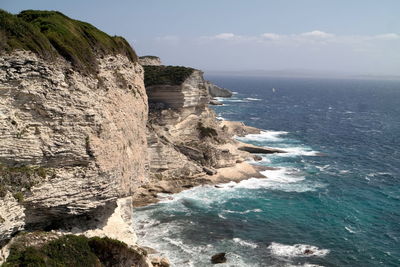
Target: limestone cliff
x=73, y=127
x=216, y=91
x=149, y=61
x=186, y=144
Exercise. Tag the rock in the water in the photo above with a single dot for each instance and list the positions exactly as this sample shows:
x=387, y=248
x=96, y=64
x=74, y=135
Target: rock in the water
x=215, y=102
x=160, y=262
x=257, y=158
x=308, y=252
x=260, y=150
x=219, y=258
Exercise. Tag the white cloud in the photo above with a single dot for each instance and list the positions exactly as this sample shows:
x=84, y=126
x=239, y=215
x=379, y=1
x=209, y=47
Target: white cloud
x=317, y=34
x=388, y=36
x=271, y=36
x=225, y=36
x=312, y=38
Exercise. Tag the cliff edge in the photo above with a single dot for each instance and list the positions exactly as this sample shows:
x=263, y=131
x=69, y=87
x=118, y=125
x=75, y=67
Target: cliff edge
x=73, y=112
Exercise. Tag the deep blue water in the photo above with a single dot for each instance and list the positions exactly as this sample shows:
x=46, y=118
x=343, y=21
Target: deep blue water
x=337, y=192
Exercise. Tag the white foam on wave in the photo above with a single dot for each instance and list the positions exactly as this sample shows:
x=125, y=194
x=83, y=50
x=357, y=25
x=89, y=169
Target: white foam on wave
x=253, y=99
x=297, y=250
x=234, y=100
x=244, y=243
x=263, y=136
x=322, y=168
x=348, y=228
x=243, y=212
x=220, y=118
x=283, y=179
x=178, y=243
x=298, y=151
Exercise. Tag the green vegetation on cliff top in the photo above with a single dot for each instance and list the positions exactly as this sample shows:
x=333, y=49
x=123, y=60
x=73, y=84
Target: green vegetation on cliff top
x=72, y=250
x=148, y=56
x=166, y=75
x=48, y=33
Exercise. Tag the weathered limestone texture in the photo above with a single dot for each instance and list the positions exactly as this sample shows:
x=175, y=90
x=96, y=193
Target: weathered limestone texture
x=187, y=146
x=149, y=61
x=11, y=216
x=216, y=91
x=87, y=133
x=190, y=96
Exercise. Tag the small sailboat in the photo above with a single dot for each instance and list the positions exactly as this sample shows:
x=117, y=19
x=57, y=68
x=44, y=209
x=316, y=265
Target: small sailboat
x=273, y=90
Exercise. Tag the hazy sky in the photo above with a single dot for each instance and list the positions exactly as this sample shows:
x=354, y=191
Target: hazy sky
x=355, y=36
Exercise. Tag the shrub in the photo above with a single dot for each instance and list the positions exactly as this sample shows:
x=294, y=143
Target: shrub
x=72, y=250
x=19, y=196
x=166, y=75
x=17, y=178
x=206, y=131
x=69, y=250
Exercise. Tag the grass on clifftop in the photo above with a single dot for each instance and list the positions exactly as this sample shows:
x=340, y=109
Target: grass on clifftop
x=48, y=33
x=71, y=250
x=16, y=33
x=152, y=57
x=166, y=75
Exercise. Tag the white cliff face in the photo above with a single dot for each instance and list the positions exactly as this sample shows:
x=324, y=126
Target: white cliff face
x=86, y=131
x=191, y=94
x=216, y=91
x=178, y=150
x=150, y=61
x=11, y=217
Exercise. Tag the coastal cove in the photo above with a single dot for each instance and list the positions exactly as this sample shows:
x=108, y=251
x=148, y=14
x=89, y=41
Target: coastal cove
x=331, y=194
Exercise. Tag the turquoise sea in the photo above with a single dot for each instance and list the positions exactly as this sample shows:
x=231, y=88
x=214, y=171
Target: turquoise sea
x=336, y=193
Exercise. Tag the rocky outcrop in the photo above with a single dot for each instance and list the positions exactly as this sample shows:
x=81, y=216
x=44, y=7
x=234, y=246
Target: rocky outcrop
x=259, y=150
x=81, y=130
x=187, y=146
x=150, y=61
x=12, y=216
x=188, y=97
x=218, y=258
x=216, y=91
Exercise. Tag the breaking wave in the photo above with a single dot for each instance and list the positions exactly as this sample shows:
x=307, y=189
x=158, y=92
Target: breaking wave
x=297, y=250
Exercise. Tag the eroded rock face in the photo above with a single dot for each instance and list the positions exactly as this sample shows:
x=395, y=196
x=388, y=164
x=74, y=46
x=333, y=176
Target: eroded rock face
x=216, y=91
x=12, y=217
x=86, y=131
x=184, y=137
x=188, y=97
x=149, y=61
